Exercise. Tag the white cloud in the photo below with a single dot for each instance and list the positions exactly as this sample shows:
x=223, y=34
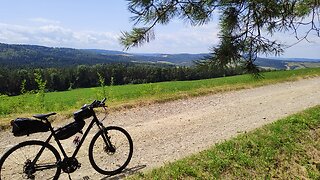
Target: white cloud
x=186, y=39
x=57, y=36
x=294, y=47
x=189, y=39
x=52, y=33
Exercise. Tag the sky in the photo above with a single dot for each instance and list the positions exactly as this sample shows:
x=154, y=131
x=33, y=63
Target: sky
x=97, y=24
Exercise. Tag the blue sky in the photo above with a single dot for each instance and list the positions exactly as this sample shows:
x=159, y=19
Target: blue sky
x=98, y=24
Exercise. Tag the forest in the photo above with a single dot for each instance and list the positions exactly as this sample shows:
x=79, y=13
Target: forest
x=25, y=67
x=15, y=81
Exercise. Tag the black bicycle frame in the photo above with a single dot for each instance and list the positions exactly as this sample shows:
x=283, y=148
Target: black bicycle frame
x=93, y=121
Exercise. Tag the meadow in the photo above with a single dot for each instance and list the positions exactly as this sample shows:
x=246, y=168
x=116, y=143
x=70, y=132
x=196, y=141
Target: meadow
x=127, y=96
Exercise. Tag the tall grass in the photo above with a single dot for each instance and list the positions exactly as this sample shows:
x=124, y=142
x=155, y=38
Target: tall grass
x=40, y=96
x=131, y=95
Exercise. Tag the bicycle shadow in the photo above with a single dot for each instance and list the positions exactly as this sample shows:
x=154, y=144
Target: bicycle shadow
x=126, y=172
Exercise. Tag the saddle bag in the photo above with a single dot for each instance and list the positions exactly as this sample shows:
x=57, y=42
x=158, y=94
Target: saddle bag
x=26, y=126
x=69, y=130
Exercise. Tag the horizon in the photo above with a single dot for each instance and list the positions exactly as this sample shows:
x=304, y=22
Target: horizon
x=154, y=53
x=98, y=24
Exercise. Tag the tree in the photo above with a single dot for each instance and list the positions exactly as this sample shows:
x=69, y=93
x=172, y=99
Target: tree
x=246, y=25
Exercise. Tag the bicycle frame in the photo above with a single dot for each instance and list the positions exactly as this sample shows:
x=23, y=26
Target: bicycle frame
x=95, y=120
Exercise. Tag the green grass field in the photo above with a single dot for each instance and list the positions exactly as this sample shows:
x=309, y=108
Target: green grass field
x=132, y=95
x=286, y=149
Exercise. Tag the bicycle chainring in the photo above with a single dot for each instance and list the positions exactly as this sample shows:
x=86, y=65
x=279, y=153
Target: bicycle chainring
x=70, y=164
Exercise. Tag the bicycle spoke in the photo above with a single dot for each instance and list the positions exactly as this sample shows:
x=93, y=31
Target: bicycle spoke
x=16, y=161
x=25, y=153
x=109, y=160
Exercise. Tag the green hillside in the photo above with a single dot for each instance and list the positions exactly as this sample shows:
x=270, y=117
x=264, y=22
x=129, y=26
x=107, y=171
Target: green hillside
x=13, y=55
x=41, y=56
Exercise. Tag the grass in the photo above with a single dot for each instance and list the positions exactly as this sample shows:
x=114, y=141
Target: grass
x=134, y=95
x=286, y=149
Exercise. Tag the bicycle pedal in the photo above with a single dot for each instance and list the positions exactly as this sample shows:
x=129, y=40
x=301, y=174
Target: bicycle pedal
x=79, y=165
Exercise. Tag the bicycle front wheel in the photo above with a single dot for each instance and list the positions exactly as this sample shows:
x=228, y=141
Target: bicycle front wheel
x=30, y=160
x=110, y=160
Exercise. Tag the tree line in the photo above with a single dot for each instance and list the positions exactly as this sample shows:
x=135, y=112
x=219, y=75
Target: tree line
x=21, y=80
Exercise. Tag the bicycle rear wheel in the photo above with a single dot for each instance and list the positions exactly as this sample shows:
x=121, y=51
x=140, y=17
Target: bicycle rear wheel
x=106, y=161
x=18, y=162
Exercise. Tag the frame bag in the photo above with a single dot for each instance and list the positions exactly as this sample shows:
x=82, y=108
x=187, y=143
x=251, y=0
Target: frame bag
x=69, y=130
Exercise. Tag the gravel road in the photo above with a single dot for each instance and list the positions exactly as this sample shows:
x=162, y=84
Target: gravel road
x=165, y=132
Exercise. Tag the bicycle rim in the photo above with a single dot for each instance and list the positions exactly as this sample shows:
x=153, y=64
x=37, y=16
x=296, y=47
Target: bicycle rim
x=105, y=161
x=17, y=162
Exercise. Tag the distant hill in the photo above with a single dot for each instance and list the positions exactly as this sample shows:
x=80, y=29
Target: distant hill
x=13, y=55
x=174, y=59
x=288, y=63
x=105, y=52
x=183, y=59
x=271, y=63
x=41, y=56
x=298, y=59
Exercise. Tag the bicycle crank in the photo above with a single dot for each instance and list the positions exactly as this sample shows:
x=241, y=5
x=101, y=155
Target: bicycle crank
x=70, y=164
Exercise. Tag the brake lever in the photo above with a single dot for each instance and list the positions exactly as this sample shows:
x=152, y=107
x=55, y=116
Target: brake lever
x=103, y=100
x=106, y=112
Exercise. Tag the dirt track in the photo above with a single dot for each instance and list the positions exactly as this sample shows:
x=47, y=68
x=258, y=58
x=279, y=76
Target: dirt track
x=164, y=132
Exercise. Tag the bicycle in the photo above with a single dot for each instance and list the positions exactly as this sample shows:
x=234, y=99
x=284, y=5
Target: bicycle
x=39, y=159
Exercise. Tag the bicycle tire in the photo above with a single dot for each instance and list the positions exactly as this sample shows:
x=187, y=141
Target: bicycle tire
x=111, y=130
x=49, y=152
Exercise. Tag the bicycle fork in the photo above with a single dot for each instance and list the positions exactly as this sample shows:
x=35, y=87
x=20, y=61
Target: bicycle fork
x=109, y=147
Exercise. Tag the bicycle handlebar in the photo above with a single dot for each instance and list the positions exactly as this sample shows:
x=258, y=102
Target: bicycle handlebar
x=96, y=104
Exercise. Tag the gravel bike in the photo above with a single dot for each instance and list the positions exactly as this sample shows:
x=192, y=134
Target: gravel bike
x=110, y=149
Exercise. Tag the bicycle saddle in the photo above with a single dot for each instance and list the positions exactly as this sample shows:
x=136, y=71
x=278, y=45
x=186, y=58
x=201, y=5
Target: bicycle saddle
x=44, y=116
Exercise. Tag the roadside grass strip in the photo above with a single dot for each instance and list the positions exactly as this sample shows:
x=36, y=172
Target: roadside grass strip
x=286, y=149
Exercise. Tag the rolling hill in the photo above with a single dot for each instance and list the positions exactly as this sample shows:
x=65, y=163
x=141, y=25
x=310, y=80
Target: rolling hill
x=41, y=56
x=13, y=55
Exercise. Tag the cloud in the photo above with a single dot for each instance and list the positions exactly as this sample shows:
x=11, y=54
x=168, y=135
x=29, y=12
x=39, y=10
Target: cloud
x=189, y=39
x=294, y=47
x=169, y=39
x=57, y=36
x=53, y=33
